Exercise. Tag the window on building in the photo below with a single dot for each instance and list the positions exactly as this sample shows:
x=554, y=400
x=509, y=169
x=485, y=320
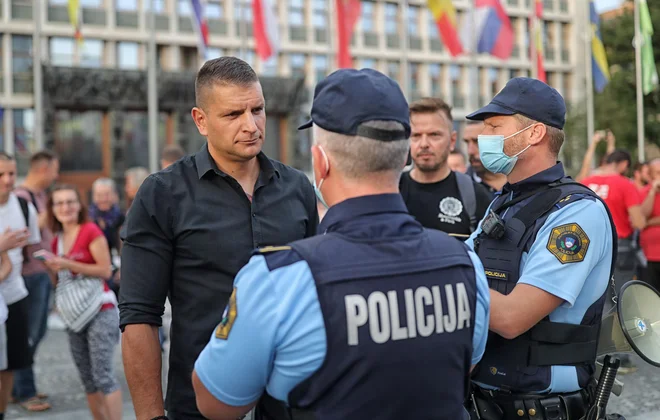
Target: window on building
x=126, y=5
x=413, y=76
x=270, y=66
x=247, y=56
x=91, y=53
x=243, y=10
x=567, y=86
x=213, y=52
x=413, y=20
x=78, y=137
x=320, y=13
x=391, y=18
x=297, y=64
x=91, y=3
x=128, y=56
x=433, y=27
x=368, y=63
x=159, y=5
x=183, y=8
x=436, y=82
x=320, y=67
x=394, y=70
x=190, y=58
x=455, y=78
x=62, y=51
x=296, y=13
x=492, y=80
x=214, y=10
x=24, y=142
x=513, y=73
x=368, y=17
x=22, y=63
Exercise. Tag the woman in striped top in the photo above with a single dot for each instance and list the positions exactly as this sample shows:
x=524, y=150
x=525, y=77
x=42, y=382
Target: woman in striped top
x=80, y=248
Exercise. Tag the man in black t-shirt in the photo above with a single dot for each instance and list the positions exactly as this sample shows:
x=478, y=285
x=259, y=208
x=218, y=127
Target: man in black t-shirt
x=439, y=198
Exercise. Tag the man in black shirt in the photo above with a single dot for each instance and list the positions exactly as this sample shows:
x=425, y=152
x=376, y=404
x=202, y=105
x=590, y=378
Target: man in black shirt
x=193, y=226
x=438, y=197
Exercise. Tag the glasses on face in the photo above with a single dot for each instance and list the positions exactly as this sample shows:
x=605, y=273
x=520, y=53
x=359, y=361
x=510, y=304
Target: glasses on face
x=65, y=203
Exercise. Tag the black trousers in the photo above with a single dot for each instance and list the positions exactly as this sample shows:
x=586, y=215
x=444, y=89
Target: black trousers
x=652, y=274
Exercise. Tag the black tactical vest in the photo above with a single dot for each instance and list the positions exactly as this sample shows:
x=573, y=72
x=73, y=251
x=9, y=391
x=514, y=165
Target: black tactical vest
x=527, y=359
x=399, y=319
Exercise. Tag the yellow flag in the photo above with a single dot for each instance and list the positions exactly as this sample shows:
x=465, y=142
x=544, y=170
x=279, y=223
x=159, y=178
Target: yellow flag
x=75, y=18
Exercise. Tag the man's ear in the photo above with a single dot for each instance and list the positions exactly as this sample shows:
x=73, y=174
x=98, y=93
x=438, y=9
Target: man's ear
x=199, y=116
x=537, y=133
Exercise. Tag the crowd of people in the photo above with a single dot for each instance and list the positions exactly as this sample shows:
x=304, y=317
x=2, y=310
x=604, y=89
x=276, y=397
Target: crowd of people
x=227, y=229
x=60, y=255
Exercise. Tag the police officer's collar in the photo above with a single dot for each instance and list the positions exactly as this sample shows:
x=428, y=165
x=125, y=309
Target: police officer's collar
x=362, y=206
x=542, y=178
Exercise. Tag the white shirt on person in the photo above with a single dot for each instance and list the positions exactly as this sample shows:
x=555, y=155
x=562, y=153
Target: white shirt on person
x=11, y=216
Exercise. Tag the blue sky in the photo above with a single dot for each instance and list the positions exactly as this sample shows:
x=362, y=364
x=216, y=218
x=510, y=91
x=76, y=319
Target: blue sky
x=602, y=5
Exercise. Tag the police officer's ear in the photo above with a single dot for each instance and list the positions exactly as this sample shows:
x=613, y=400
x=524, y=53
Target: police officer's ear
x=321, y=162
x=536, y=133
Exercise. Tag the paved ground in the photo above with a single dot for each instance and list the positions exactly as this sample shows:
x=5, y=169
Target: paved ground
x=58, y=377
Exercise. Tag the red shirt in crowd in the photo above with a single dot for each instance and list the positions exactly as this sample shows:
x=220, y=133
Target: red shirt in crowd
x=80, y=252
x=650, y=237
x=620, y=194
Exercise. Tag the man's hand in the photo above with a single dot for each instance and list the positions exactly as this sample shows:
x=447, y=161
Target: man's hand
x=11, y=239
x=597, y=137
x=655, y=186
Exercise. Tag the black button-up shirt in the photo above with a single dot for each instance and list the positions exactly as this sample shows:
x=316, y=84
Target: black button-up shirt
x=189, y=231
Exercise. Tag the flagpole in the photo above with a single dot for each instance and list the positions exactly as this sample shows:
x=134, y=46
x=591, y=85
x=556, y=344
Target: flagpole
x=474, y=69
x=589, y=75
x=37, y=76
x=638, y=83
x=152, y=94
x=404, y=52
x=243, y=31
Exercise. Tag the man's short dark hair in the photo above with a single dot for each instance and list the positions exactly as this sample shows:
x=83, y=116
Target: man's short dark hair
x=618, y=156
x=42, y=156
x=430, y=106
x=639, y=165
x=172, y=153
x=6, y=156
x=457, y=152
x=223, y=70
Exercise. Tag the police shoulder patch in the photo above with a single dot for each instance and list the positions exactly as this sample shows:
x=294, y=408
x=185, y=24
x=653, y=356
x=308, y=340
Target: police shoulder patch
x=568, y=243
x=228, y=318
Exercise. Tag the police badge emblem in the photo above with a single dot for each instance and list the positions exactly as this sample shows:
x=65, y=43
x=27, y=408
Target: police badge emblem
x=568, y=243
x=228, y=318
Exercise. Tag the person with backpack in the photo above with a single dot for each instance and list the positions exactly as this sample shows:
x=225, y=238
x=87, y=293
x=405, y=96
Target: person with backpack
x=43, y=172
x=13, y=219
x=436, y=196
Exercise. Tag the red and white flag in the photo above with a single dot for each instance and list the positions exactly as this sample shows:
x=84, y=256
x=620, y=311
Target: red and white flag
x=266, y=31
x=348, y=13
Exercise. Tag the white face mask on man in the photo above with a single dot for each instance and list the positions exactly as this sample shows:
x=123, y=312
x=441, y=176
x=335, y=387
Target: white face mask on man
x=317, y=189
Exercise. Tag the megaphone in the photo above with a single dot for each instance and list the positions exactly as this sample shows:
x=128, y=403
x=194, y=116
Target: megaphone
x=633, y=325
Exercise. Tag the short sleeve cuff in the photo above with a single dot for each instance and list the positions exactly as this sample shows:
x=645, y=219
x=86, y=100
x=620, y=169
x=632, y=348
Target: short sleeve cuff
x=550, y=288
x=220, y=395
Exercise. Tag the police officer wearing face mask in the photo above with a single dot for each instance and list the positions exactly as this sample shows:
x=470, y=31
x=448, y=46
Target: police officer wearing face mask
x=377, y=317
x=546, y=246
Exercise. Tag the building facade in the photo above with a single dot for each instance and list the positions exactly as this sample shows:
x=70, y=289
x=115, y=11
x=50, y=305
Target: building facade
x=97, y=135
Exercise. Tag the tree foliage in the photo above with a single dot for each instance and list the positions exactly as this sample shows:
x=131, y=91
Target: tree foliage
x=616, y=106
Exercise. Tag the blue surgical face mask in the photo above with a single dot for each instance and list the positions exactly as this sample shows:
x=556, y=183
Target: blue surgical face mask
x=491, y=152
x=317, y=190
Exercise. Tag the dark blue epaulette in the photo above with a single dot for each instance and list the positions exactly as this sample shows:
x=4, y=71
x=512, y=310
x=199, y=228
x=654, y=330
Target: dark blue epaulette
x=278, y=256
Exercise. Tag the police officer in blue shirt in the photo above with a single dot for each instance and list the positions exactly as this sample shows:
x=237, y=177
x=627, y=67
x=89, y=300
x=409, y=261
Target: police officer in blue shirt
x=546, y=246
x=377, y=317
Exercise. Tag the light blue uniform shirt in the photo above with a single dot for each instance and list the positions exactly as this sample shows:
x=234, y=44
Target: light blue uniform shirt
x=579, y=284
x=278, y=337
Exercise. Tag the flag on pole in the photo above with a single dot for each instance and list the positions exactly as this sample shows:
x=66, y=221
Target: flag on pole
x=538, y=42
x=649, y=71
x=444, y=14
x=266, y=32
x=75, y=17
x=201, y=27
x=600, y=68
x=348, y=12
x=492, y=29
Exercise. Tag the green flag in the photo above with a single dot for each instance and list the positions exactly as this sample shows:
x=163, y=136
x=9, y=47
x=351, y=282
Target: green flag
x=649, y=71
